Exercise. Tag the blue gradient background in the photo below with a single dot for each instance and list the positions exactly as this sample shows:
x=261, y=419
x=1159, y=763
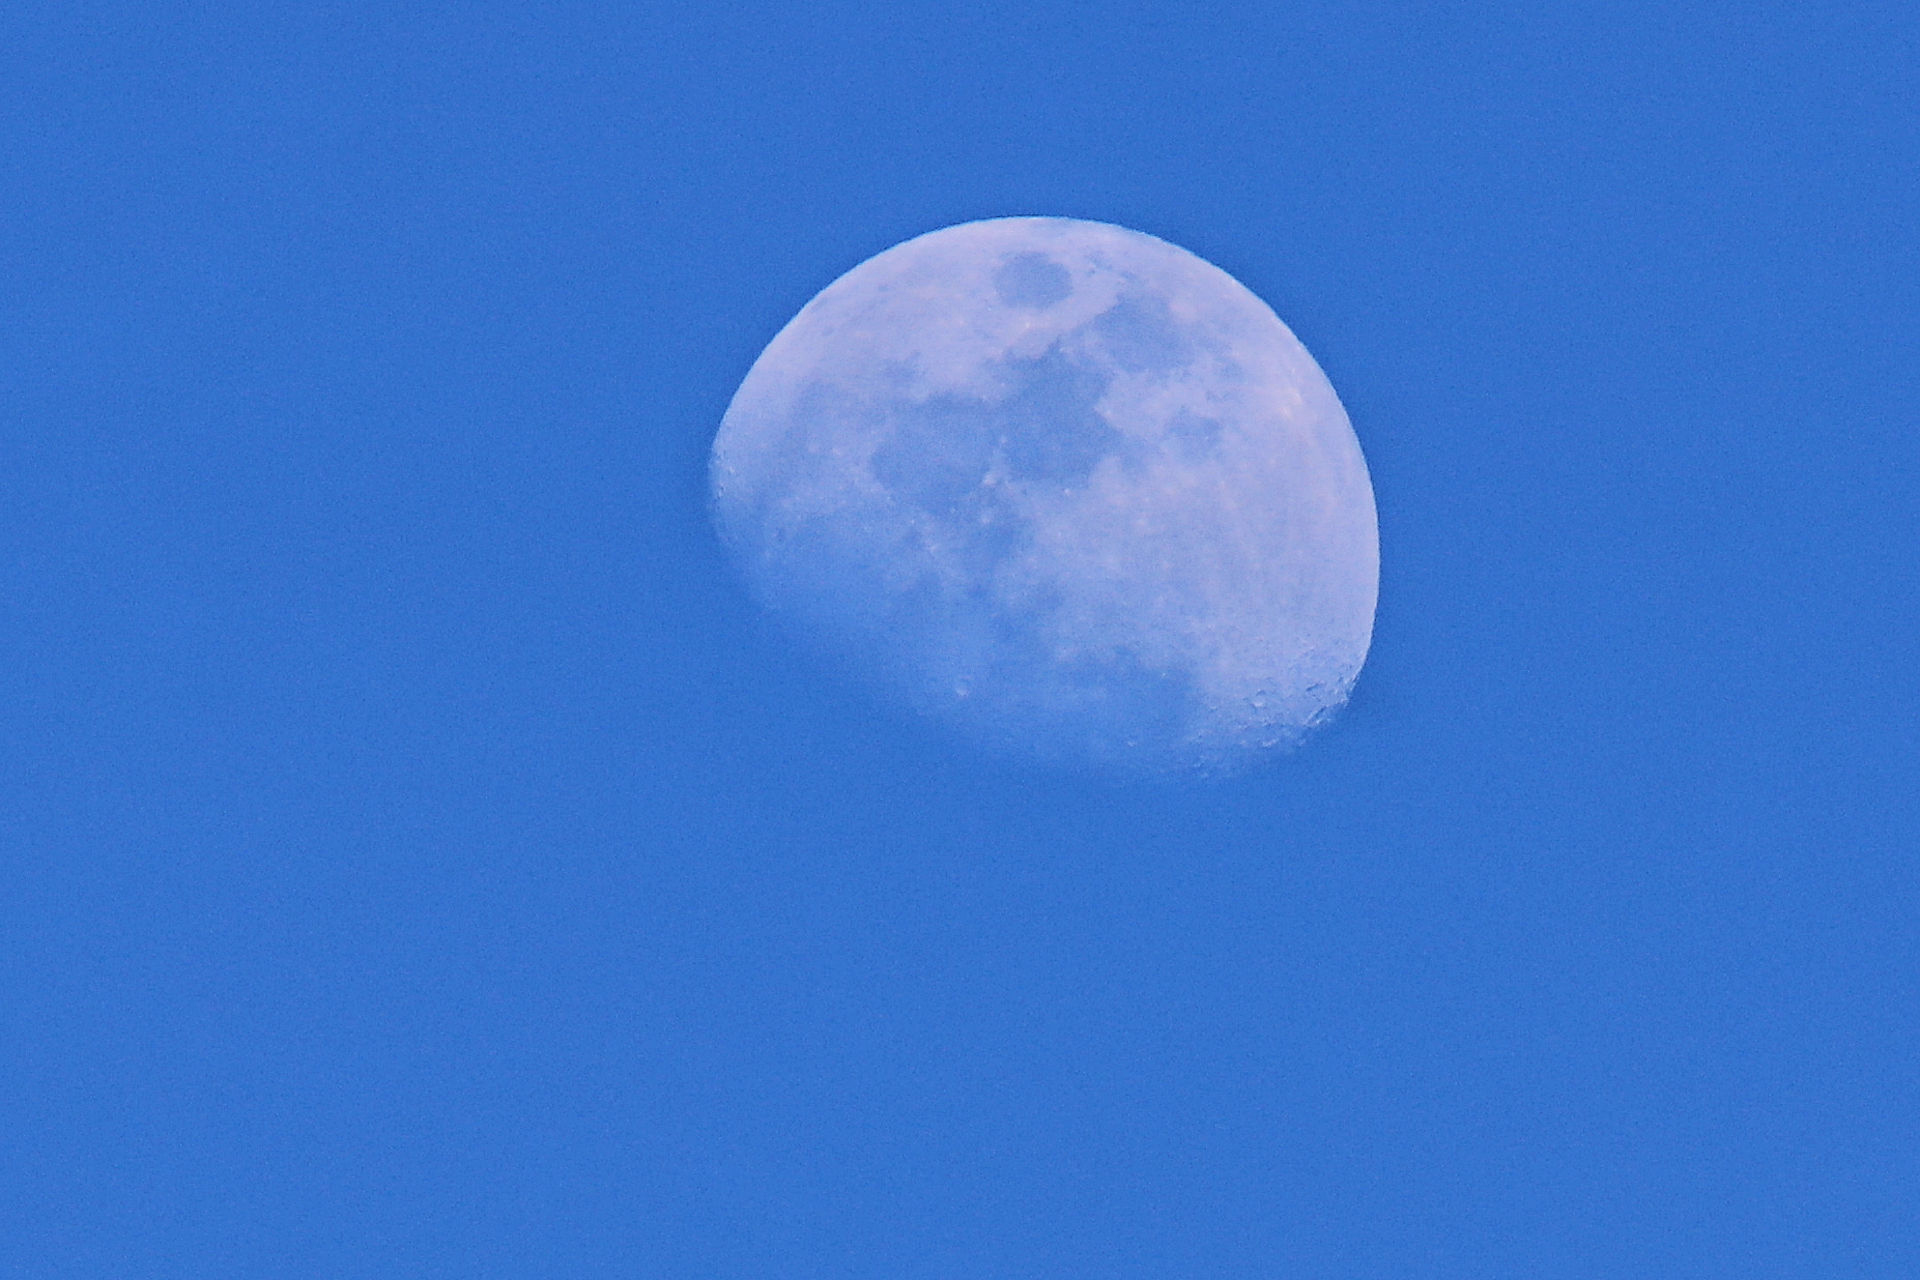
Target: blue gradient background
x=416, y=859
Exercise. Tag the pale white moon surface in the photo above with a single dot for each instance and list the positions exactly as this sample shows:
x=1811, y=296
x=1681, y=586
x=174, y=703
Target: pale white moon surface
x=1065, y=486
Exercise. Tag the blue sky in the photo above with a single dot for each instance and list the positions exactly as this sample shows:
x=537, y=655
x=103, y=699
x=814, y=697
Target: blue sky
x=417, y=858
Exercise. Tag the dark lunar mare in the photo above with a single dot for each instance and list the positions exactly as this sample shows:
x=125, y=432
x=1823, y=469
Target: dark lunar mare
x=1045, y=433
x=1047, y=430
x=1142, y=336
x=1032, y=281
x=958, y=646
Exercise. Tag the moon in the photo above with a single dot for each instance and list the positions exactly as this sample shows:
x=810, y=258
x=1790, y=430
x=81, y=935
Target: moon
x=1065, y=487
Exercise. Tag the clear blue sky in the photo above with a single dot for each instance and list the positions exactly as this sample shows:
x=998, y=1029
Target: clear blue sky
x=416, y=859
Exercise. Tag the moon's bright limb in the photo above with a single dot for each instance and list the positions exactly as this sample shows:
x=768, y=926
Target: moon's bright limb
x=1064, y=485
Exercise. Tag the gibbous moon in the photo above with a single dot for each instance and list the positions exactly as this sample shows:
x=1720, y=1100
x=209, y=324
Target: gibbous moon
x=1064, y=486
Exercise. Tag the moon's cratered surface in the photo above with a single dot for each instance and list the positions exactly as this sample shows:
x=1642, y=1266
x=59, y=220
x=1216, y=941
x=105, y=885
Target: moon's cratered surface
x=1064, y=485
